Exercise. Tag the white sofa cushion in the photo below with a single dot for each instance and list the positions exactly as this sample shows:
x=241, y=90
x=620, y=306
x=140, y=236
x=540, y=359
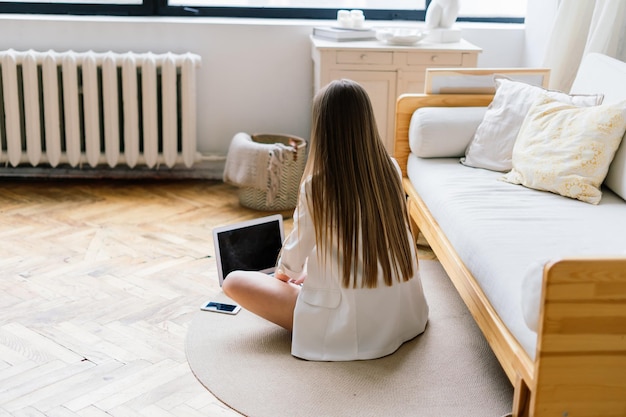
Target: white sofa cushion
x=566, y=149
x=492, y=145
x=500, y=230
x=443, y=132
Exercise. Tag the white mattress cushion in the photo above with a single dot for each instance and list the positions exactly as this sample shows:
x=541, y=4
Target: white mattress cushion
x=500, y=230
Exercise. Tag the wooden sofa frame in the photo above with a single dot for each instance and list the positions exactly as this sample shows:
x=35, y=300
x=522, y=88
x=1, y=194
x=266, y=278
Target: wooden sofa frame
x=580, y=363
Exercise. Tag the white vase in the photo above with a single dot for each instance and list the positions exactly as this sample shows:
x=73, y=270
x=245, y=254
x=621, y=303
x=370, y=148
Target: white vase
x=442, y=14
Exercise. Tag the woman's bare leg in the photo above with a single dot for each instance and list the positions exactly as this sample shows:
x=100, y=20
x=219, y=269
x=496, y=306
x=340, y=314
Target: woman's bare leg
x=263, y=295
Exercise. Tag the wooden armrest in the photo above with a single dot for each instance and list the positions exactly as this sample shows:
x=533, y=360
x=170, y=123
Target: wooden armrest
x=580, y=363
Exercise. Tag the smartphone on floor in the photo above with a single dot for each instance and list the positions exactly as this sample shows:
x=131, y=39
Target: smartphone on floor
x=221, y=307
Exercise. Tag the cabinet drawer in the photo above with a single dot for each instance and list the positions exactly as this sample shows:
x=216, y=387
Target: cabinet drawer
x=364, y=57
x=435, y=58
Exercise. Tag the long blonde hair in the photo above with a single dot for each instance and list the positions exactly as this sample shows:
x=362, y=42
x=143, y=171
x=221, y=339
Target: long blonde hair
x=356, y=193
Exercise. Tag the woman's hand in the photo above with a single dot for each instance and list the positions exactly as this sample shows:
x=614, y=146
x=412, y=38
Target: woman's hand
x=298, y=281
x=281, y=276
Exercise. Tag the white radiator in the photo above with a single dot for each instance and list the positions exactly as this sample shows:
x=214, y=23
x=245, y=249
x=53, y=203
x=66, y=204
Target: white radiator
x=97, y=108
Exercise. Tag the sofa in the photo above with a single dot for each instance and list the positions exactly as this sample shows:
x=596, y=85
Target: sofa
x=532, y=229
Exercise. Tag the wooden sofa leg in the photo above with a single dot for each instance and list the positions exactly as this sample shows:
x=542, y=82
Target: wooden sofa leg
x=521, y=398
x=415, y=230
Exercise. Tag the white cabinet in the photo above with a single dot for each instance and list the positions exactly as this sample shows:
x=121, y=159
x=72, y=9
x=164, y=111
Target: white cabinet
x=386, y=71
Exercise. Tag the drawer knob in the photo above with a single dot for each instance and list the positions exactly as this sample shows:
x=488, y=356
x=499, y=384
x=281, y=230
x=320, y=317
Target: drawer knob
x=363, y=56
x=434, y=58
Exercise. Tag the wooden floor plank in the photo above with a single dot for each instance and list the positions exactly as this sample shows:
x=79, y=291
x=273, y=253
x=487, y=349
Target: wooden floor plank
x=185, y=387
x=51, y=396
x=60, y=412
x=40, y=343
x=118, y=382
x=37, y=378
x=154, y=410
x=161, y=373
x=7, y=375
x=93, y=411
x=28, y=412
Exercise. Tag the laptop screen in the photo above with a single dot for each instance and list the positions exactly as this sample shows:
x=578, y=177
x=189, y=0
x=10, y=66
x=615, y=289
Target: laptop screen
x=253, y=245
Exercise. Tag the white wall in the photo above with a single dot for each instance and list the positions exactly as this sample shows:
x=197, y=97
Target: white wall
x=540, y=16
x=256, y=75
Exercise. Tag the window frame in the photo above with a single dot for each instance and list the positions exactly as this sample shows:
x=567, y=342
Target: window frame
x=162, y=8
x=146, y=8
x=285, y=12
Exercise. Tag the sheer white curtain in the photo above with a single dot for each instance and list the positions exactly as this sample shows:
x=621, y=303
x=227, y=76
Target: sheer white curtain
x=580, y=27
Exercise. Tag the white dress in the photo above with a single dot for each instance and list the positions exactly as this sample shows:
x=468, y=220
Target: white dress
x=333, y=323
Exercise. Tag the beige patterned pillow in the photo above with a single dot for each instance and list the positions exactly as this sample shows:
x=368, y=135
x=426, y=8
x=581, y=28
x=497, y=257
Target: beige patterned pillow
x=566, y=149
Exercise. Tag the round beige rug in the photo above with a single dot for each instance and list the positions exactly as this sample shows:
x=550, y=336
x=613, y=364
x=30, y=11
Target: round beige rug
x=447, y=371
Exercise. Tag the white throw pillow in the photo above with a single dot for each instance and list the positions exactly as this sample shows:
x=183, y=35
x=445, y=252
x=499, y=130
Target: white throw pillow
x=443, y=132
x=492, y=145
x=567, y=149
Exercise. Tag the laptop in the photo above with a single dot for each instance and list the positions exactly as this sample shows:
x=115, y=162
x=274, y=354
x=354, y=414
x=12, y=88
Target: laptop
x=251, y=245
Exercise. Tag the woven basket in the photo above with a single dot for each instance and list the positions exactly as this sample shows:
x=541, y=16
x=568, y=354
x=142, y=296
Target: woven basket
x=290, y=174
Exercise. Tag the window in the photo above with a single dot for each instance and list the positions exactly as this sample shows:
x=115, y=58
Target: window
x=493, y=9
x=471, y=10
x=311, y=4
x=304, y=9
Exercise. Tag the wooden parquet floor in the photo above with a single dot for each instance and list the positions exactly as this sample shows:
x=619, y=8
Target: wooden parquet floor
x=98, y=283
